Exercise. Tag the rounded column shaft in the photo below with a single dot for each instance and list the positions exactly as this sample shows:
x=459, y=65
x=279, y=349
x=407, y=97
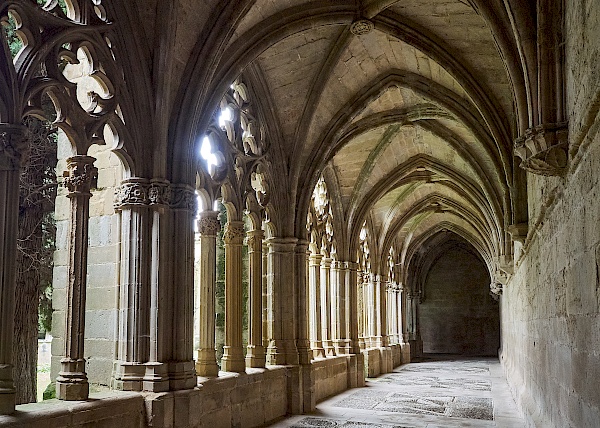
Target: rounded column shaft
x=255, y=355
x=233, y=353
x=314, y=280
x=208, y=226
x=81, y=176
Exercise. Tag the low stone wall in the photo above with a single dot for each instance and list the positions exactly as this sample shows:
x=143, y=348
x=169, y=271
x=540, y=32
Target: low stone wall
x=240, y=400
x=104, y=410
x=330, y=375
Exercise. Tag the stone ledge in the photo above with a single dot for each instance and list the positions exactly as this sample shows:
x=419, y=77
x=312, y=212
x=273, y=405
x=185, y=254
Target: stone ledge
x=101, y=409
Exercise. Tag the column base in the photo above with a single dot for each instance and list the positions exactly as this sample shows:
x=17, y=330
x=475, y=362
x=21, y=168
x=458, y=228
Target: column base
x=318, y=352
x=255, y=356
x=182, y=375
x=133, y=376
x=72, y=382
x=206, y=365
x=329, y=349
x=304, y=352
x=233, y=360
x=275, y=354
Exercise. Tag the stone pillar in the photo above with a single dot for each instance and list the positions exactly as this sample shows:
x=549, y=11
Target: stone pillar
x=265, y=294
x=326, y=306
x=233, y=352
x=314, y=281
x=352, y=307
x=371, y=316
x=255, y=356
x=161, y=293
x=281, y=302
x=381, y=312
x=182, y=370
x=133, y=348
x=361, y=310
x=301, y=286
x=338, y=307
x=13, y=153
x=208, y=226
x=80, y=177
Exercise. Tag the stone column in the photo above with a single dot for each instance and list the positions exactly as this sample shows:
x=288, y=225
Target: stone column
x=255, y=356
x=233, y=352
x=281, y=302
x=301, y=286
x=182, y=370
x=326, y=306
x=381, y=312
x=352, y=307
x=161, y=293
x=131, y=199
x=338, y=306
x=208, y=226
x=314, y=280
x=80, y=177
x=13, y=153
x=372, y=326
x=361, y=308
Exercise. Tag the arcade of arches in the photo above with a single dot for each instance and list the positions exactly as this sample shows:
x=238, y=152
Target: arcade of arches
x=265, y=201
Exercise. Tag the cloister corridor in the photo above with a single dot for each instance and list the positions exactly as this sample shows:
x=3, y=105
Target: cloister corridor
x=235, y=213
x=441, y=391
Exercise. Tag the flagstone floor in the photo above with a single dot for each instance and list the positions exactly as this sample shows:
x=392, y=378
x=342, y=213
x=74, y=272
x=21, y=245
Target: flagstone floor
x=440, y=391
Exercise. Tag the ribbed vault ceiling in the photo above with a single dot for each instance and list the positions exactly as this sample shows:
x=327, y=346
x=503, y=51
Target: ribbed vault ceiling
x=411, y=122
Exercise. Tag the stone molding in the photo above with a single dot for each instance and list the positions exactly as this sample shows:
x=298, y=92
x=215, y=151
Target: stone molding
x=543, y=149
x=81, y=175
x=14, y=146
x=141, y=192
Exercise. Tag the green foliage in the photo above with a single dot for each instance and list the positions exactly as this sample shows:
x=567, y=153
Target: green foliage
x=10, y=31
x=50, y=391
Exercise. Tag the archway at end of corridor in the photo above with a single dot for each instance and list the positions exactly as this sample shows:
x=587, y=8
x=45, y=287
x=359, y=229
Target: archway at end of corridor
x=457, y=314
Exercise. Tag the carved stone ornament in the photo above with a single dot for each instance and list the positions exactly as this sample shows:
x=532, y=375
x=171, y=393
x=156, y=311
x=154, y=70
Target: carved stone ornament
x=159, y=193
x=14, y=146
x=131, y=193
x=183, y=198
x=495, y=289
x=255, y=238
x=234, y=233
x=81, y=175
x=544, y=149
x=361, y=27
x=209, y=226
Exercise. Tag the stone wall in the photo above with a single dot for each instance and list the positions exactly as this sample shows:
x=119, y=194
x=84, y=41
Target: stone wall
x=457, y=314
x=232, y=400
x=550, y=308
x=102, y=275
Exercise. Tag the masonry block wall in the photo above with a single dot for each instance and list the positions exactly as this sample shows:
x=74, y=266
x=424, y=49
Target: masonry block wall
x=457, y=315
x=550, y=308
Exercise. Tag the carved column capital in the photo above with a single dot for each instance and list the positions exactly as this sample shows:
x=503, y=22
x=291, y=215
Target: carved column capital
x=81, y=175
x=234, y=233
x=14, y=146
x=255, y=238
x=183, y=197
x=543, y=149
x=131, y=192
x=209, y=224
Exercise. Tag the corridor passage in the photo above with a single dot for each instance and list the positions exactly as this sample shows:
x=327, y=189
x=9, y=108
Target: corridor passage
x=439, y=392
